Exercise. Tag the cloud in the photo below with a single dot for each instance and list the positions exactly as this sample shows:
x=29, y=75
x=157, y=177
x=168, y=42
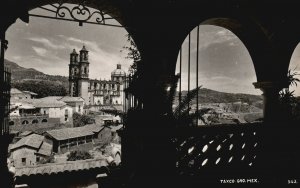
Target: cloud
x=47, y=43
x=39, y=51
x=101, y=61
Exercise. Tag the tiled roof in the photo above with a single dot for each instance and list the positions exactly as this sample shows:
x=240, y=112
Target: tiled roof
x=29, y=92
x=45, y=149
x=26, y=133
x=15, y=91
x=47, y=102
x=71, y=99
x=26, y=106
x=66, y=167
x=33, y=140
x=119, y=108
x=68, y=133
x=115, y=128
x=107, y=107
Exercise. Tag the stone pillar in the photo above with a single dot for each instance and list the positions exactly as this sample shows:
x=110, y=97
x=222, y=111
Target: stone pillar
x=271, y=109
x=5, y=138
x=271, y=132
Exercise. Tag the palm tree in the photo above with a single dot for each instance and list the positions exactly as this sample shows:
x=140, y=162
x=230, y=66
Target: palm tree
x=287, y=99
x=181, y=115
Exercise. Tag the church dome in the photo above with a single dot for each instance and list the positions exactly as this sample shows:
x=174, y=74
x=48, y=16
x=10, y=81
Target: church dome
x=118, y=71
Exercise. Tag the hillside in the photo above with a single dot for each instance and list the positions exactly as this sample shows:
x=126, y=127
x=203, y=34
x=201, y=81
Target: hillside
x=29, y=79
x=25, y=77
x=211, y=96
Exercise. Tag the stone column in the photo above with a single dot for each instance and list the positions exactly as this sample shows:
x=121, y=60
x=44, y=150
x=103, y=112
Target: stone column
x=271, y=109
x=5, y=138
x=271, y=131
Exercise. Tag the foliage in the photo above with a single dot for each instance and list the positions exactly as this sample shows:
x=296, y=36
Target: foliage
x=49, y=159
x=289, y=104
x=181, y=115
x=211, y=96
x=81, y=120
x=42, y=87
x=79, y=155
x=20, y=75
x=133, y=53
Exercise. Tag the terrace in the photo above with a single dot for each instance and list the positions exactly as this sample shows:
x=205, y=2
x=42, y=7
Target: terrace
x=155, y=153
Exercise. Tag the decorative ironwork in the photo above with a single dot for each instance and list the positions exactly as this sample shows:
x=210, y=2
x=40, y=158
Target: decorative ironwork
x=75, y=12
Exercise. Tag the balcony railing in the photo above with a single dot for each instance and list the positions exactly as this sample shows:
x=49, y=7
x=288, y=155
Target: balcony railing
x=208, y=150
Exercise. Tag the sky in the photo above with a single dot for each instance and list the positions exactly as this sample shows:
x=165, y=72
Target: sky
x=224, y=62
x=45, y=44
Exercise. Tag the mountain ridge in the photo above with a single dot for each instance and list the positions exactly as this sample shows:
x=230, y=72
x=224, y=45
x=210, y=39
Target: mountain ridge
x=23, y=78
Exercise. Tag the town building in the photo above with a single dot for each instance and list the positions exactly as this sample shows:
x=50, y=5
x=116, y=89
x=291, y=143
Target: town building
x=18, y=94
x=85, y=137
x=52, y=109
x=39, y=111
x=30, y=150
x=94, y=92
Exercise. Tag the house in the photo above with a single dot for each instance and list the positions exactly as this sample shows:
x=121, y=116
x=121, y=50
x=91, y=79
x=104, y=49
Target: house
x=18, y=94
x=54, y=108
x=84, y=137
x=77, y=103
x=38, y=111
x=30, y=150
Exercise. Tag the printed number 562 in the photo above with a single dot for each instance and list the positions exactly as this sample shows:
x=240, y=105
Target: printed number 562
x=292, y=181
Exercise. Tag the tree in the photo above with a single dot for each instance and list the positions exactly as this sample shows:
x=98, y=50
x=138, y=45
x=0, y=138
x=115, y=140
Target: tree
x=181, y=114
x=133, y=54
x=79, y=155
x=42, y=88
x=289, y=104
x=81, y=120
x=49, y=159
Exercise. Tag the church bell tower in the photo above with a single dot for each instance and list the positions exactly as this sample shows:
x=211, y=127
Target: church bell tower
x=73, y=74
x=79, y=74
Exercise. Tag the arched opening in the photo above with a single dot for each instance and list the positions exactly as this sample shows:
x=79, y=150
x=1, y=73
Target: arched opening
x=217, y=62
x=215, y=90
x=35, y=121
x=25, y=122
x=44, y=121
x=44, y=50
x=11, y=123
x=290, y=97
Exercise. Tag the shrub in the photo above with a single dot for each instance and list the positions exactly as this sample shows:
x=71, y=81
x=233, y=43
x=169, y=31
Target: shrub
x=79, y=155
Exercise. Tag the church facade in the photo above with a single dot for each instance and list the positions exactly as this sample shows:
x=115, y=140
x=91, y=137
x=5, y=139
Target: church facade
x=94, y=92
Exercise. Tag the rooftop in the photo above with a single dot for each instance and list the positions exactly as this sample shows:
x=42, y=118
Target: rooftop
x=33, y=140
x=15, y=91
x=46, y=102
x=45, y=149
x=71, y=99
x=115, y=128
x=68, y=133
x=26, y=133
x=29, y=92
x=66, y=167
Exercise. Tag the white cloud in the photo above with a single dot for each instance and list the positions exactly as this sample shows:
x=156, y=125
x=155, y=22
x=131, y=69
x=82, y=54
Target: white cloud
x=101, y=61
x=39, y=51
x=47, y=43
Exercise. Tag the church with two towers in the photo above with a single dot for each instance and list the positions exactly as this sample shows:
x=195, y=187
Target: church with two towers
x=94, y=92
